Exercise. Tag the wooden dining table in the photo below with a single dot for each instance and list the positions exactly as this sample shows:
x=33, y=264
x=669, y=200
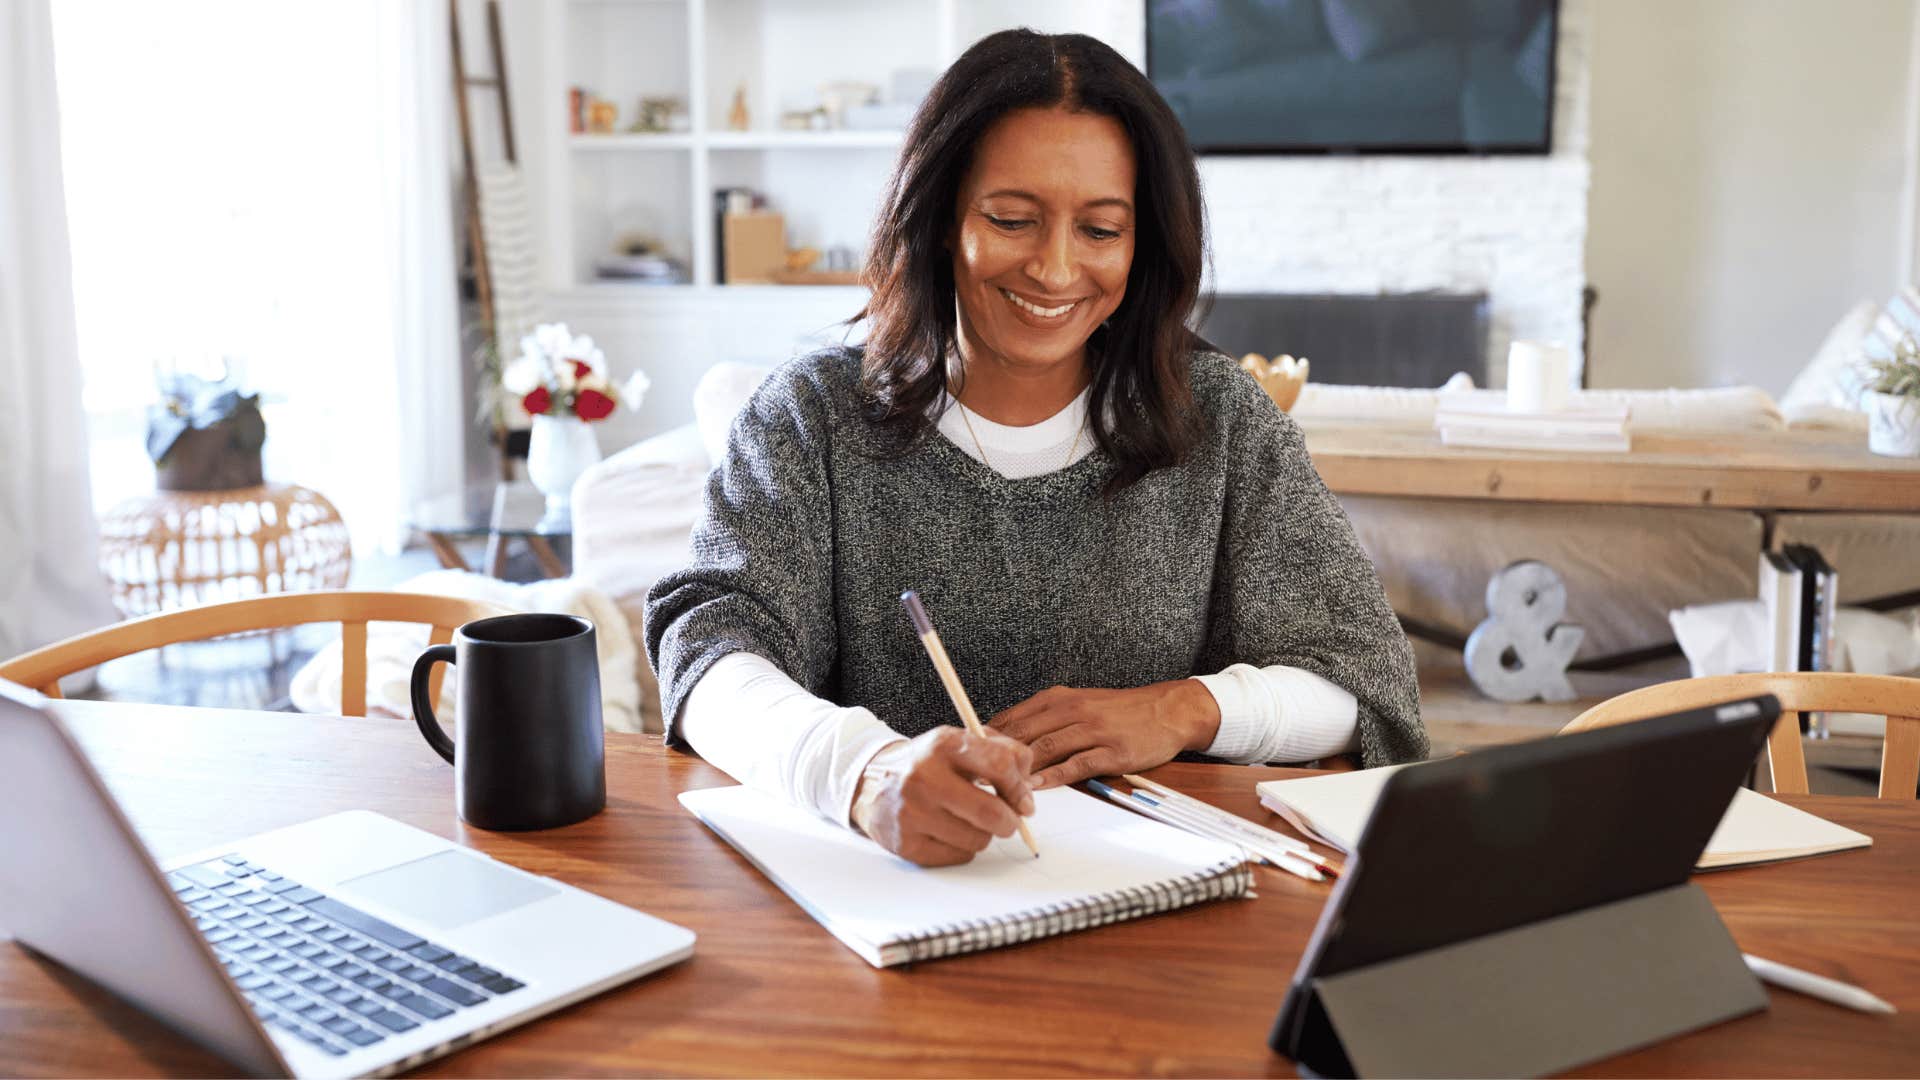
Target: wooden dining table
x=769, y=992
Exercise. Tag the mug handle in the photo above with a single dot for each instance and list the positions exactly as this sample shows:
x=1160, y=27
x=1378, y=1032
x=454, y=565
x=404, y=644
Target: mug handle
x=422, y=707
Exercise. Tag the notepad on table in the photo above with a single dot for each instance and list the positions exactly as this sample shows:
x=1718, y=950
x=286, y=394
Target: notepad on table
x=1100, y=865
x=1755, y=828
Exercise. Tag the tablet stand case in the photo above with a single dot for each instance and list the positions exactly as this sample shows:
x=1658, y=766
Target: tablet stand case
x=1532, y=1000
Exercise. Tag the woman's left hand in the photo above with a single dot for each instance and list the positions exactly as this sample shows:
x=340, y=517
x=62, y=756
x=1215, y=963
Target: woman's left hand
x=1076, y=734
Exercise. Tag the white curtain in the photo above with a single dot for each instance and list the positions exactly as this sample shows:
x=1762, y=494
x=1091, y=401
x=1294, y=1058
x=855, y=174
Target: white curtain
x=415, y=72
x=271, y=183
x=50, y=583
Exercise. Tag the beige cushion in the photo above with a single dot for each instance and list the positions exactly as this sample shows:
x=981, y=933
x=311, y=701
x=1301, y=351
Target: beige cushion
x=633, y=518
x=1625, y=567
x=718, y=398
x=1875, y=555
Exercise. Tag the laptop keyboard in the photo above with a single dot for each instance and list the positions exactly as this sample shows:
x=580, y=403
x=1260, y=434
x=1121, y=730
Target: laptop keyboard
x=327, y=972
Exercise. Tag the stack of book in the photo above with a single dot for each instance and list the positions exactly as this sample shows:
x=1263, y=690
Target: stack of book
x=1485, y=420
x=645, y=266
x=1801, y=594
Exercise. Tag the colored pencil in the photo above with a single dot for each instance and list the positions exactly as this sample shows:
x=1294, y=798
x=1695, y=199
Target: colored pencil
x=1230, y=820
x=1167, y=816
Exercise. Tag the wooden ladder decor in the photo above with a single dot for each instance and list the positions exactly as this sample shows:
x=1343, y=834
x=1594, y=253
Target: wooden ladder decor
x=470, y=187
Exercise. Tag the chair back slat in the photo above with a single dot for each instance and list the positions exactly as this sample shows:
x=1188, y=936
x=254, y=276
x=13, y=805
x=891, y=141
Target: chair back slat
x=353, y=668
x=1786, y=761
x=1895, y=697
x=1900, y=758
x=45, y=667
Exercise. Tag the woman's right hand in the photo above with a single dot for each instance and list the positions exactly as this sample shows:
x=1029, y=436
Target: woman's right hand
x=919, y=800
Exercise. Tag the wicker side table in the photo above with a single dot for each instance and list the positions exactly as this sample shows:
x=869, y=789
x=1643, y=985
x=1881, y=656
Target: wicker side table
x=180, y=548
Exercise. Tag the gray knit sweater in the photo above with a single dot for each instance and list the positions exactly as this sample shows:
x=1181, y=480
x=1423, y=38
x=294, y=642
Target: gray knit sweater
x=811, y=533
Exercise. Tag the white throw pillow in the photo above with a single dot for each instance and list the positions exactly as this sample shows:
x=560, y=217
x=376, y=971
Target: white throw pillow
x=1832, y=377
x=718, y=398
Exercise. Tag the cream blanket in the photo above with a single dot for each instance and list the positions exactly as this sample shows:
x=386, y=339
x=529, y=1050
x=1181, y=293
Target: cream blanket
x=392, y=648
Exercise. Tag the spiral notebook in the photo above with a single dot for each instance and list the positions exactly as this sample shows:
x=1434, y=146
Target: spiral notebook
x=1099, y=864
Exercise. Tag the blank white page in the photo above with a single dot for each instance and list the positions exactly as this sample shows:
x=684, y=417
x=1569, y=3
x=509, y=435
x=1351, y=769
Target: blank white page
x=869, y=898
x=1759, y=829
x=1754, y=828
x=1333, y=807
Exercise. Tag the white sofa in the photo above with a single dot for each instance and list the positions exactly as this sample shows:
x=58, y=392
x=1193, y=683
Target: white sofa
x=1625, y=567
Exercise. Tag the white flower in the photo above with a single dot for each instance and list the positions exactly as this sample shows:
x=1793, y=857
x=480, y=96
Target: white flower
x=549, y=340
x=635, y=389
x=583, y=349
x=523, y=375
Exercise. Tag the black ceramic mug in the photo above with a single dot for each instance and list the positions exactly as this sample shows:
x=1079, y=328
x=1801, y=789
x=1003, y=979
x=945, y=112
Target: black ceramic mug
x=530, y=752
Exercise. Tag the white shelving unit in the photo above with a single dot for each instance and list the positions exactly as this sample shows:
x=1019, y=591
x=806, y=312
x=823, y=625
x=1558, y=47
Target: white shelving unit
x=590, y=190
x=604, y=188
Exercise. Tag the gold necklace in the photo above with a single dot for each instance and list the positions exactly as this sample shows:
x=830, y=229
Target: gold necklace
x=1081, y=430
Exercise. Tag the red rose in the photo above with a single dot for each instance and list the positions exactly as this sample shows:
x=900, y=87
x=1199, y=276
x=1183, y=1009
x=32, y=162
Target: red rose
x=537, y=401
x=582, y=369
x=592, y=405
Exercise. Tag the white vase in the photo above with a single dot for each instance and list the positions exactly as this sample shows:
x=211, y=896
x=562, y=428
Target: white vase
x=1893, y=424
x=562, y=447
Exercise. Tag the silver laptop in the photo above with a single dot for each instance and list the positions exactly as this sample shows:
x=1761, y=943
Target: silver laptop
x=351, y=945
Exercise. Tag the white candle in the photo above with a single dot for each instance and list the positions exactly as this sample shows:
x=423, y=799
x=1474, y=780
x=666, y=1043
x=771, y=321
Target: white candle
x=1537, y=374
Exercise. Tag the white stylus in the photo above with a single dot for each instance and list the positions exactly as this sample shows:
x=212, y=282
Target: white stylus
x=1806, y=982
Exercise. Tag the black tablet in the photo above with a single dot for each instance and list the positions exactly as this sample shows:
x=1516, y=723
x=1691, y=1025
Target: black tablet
x=1508, y=837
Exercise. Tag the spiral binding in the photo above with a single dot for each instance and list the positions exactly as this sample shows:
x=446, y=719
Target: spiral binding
x=1224, y=879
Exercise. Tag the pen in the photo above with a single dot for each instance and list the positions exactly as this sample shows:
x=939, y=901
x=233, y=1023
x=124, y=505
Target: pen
x=1233, y=822
x=1806, y=982
x=951, y=680
x=1166, y=816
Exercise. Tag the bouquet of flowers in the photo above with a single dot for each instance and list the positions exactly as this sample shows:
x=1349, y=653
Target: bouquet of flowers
x=561, y=375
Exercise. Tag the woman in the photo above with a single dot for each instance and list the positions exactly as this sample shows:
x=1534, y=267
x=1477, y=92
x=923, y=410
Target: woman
x=1121, y=541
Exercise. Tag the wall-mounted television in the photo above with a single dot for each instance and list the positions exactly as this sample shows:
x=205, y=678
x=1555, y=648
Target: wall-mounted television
x=1357, y=76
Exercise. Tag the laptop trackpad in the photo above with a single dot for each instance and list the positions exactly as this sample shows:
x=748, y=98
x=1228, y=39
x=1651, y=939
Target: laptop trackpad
x=450, y=889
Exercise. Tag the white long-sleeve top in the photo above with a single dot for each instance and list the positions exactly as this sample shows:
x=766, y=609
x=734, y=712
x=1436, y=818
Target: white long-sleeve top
x=752, y=721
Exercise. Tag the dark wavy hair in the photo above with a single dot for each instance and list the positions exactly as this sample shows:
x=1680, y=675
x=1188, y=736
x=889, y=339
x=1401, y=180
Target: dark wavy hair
x=1141, y=404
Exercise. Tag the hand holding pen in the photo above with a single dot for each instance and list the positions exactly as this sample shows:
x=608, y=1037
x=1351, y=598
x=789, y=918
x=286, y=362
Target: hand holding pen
x=937, y=652
x=923, y=799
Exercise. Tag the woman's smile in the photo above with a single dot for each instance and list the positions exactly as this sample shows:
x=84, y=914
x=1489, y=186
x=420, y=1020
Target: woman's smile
x=1043, y=314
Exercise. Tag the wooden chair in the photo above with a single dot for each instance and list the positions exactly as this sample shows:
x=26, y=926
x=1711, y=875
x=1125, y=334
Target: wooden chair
x=43, y=668
x=1896, y=698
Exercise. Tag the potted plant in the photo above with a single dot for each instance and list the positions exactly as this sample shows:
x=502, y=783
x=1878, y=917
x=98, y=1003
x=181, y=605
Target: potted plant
x=562, y=382
x=1892, y=401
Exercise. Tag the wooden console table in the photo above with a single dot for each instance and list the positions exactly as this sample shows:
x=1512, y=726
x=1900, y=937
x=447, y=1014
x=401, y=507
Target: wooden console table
x=1761, y=471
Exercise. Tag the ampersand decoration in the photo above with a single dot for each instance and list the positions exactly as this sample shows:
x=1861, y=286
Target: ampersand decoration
x=1522, y=650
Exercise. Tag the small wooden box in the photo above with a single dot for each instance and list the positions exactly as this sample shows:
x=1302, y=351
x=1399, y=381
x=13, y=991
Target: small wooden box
x=755, y=247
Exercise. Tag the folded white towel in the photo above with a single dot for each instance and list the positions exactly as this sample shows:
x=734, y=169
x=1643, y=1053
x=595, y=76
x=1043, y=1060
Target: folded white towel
x=392, y=648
